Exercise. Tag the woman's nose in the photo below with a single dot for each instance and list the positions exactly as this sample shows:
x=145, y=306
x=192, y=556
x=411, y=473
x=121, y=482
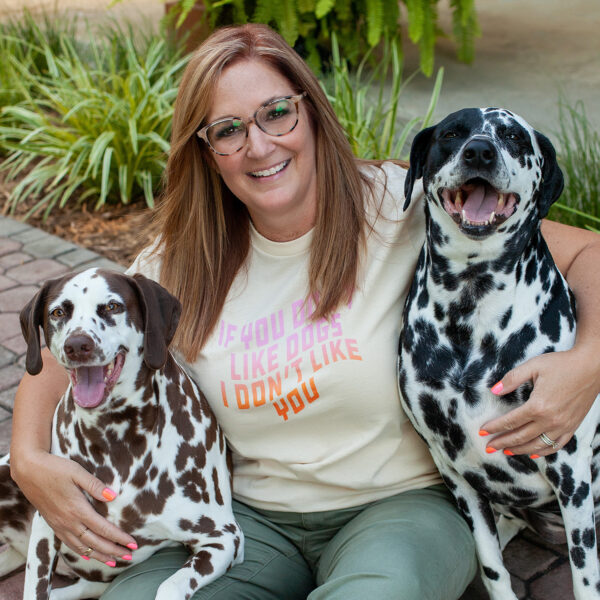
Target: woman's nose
x=259, y=143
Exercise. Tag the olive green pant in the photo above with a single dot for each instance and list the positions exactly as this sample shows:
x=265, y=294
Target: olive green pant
x=412, y=546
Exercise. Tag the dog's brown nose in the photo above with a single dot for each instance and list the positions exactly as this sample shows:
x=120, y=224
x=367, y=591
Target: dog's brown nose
x=479, y=154
x=79, y=347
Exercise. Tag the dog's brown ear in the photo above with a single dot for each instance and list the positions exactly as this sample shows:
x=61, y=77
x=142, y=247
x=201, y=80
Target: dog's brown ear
x=32, y=318
x=160, y=314
x=553, y=182
x=418, y=156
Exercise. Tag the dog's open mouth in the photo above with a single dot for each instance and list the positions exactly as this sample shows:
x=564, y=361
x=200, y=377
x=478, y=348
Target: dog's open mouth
x=91, y=385
x=478, y=206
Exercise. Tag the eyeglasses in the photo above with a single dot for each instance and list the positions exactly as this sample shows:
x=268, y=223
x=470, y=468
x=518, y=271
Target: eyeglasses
x=228, y=136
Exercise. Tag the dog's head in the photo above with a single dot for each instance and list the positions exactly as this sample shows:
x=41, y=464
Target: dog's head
x=93, y=322
x=483, y=168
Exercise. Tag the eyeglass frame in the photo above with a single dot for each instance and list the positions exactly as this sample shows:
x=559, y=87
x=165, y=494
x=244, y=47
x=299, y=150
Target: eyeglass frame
x=295, y=98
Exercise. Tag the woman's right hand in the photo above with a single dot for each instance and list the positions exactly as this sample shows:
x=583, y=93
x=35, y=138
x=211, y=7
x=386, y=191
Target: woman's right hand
x=55, y=486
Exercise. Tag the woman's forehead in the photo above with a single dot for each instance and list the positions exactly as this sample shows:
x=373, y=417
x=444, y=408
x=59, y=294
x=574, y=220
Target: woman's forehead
x=246, y=85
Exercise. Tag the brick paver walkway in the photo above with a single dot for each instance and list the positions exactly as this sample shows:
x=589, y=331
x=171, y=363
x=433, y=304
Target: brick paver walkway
x=29, y=256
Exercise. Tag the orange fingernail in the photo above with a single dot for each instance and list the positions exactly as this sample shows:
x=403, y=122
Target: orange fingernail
x=109, y=494
x=497, y=388
x=483, y=432
x=85, y=557
x=490, y=450
x=132, y=546
x=110, y=563
x=127, y=557
x=534, y=456
x=509, y=453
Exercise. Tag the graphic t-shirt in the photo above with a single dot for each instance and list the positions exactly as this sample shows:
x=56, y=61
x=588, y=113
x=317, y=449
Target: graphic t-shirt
x=311, y=410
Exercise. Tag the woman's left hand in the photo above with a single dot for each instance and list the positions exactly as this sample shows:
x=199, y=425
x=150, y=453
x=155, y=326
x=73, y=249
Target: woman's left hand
x=565, y=387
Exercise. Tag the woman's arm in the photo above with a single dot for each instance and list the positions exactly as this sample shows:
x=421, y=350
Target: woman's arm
x=52, y=484
x=565, y=383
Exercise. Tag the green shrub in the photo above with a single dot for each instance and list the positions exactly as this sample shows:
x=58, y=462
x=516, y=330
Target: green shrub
x=96, y=124
x=358, y=24
x=367, y=103
x=579, y=157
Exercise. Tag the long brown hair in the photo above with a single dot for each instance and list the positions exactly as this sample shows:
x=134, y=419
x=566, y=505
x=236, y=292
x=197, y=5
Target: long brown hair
x=204, y=232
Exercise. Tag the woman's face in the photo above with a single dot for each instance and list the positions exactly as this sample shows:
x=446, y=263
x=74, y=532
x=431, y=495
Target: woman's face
x=275, y=177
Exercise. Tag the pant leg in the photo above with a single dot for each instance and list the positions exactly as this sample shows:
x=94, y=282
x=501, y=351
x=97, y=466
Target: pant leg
x=273, y=568
x=413, y=546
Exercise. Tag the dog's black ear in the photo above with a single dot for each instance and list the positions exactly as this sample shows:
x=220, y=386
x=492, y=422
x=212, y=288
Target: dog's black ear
x=418, y=156
x=32, y=318
x=553, y=182
x=160, y=314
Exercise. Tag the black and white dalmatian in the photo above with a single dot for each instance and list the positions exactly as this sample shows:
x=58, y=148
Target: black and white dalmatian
x=486, y=297
x=134, y=419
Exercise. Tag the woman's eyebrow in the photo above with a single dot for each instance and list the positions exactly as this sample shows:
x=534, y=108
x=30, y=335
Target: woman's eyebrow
x=267, y=101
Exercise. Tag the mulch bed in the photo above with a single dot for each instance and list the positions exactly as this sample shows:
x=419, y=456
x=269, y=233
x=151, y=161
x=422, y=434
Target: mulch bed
x=117, y=232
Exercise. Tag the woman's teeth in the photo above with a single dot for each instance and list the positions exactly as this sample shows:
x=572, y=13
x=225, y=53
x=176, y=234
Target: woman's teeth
x=271, y=171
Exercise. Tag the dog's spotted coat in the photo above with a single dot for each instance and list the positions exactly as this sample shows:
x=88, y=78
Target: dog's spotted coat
x=134, y=419
x=487, y=296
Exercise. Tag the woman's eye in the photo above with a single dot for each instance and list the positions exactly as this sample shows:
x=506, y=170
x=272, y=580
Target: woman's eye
x=230, y=129
x=277, y=112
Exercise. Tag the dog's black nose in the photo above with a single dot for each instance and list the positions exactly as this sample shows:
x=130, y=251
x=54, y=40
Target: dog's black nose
x=479, y=154
x=79, y=347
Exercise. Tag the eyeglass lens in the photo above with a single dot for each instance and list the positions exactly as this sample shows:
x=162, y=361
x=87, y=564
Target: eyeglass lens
x=276, y=118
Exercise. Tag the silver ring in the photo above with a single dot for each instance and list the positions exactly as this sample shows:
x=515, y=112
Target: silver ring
x=549, y=442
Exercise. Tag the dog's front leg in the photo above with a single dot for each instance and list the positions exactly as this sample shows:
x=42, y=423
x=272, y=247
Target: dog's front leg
x=209, y=560
x=478, y=513
x=570, y=477
x=41, y=558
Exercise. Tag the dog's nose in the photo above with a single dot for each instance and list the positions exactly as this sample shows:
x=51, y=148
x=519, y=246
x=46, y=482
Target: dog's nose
x=79, y=347
x=479, y=154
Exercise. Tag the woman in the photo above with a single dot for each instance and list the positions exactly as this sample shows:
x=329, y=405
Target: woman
x=293, y=260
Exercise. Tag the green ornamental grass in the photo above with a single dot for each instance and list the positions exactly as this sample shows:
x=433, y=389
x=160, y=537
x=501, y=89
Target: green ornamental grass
x=95, y=124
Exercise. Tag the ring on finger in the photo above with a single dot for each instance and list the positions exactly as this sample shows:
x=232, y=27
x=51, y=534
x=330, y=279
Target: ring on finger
x=549, y=442
x=87, y=552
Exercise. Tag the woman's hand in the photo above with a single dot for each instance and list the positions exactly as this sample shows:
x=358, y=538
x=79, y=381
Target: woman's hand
x=54, y=486
x=565, y=387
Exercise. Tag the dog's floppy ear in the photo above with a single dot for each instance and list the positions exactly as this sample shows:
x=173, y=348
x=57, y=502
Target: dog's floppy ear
x=552, y=183
x=160, y=315
x=32, y=318
x=418, y=156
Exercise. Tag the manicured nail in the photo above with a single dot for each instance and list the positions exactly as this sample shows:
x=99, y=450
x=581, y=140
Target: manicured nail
x=127, y=557
x=509, y=453
x=132, y=546
x=534, y=456
x=490, y=450
x=109, y=494
x=483, y=432
x=85, y=557
x=110, y=563
x=497, y=388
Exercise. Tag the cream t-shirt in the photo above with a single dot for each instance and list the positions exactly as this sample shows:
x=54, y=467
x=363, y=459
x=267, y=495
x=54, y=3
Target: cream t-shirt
x=311, y=410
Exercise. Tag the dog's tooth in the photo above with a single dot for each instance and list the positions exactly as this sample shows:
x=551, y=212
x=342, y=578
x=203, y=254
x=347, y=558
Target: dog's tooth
x=464, y=216
x=500, y=204
x=458, y=201
x=492, y=218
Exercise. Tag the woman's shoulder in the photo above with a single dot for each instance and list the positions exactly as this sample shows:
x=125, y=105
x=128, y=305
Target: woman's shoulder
x=148, y=261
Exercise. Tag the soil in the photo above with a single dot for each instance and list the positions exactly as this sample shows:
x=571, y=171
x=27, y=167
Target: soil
x=117, y=232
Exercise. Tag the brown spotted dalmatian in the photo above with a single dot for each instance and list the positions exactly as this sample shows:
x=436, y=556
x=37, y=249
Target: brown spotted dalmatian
x=134, y=419
x=487, y=296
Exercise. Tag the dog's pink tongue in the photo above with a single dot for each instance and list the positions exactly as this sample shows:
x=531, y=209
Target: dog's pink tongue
x=88, y=391
x=479, y=204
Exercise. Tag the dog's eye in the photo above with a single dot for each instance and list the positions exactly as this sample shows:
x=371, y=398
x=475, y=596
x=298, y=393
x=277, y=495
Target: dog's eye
x=113, y=306
x=449, y=135
x=513, y=136
x=57, y=313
